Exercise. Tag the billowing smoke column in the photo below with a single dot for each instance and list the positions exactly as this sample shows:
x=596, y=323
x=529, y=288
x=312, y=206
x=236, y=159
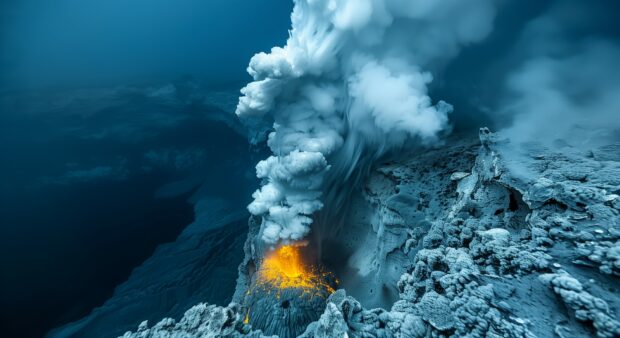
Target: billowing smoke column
x=350, y=85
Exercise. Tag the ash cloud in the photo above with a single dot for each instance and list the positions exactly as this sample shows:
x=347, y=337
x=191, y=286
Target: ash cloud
x=350, y=85
x=359, y=80
x=566, y=85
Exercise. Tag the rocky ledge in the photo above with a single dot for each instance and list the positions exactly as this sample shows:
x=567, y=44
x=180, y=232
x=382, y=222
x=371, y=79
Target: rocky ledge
x=483, y=239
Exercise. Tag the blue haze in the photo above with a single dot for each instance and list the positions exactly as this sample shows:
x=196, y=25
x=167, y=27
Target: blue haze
x=115, y=119
x=90, y=42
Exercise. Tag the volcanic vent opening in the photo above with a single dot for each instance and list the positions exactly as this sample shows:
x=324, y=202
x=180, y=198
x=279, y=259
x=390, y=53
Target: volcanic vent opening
x=288, y=291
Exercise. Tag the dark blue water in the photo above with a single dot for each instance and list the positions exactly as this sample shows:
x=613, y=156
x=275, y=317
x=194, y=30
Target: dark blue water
x=91, y=182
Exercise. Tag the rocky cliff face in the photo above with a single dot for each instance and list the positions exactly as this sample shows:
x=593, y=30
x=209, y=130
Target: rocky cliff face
x=479, y=239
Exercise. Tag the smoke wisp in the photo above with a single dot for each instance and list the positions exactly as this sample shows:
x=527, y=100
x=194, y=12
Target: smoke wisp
x=566, y=85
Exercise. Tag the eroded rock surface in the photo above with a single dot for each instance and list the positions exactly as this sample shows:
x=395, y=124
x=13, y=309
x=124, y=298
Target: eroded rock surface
x=477, y=240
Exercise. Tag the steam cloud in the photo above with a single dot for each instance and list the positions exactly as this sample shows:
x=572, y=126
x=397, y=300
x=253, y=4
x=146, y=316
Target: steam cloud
x=567, y=84
x=351, y=82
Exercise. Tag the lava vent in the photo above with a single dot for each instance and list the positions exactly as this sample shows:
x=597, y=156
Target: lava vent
x=287, y=293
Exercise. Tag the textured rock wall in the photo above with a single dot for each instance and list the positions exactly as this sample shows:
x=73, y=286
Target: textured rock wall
x=487, y=240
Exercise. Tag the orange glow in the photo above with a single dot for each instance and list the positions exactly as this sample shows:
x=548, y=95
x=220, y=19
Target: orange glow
x=284, y=268
x=246, y=320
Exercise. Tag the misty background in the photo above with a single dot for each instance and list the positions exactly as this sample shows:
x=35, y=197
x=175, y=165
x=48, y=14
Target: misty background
x=85, y=43
x=116, y=117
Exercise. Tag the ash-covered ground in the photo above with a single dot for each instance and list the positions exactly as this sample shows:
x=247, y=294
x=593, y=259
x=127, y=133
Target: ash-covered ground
x=475, y=238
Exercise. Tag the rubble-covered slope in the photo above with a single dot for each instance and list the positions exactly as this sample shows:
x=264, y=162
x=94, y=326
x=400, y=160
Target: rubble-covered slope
x=483, y=239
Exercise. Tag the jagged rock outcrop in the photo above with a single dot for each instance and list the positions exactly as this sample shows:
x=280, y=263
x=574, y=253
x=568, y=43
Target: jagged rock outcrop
x=202, y=320
x=488, y=240
x=587, y=307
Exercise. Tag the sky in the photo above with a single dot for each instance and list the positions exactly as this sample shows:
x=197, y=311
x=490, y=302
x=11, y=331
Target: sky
x=67, y=43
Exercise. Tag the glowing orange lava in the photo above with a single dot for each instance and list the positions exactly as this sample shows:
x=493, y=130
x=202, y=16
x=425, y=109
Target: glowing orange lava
x=284, y=268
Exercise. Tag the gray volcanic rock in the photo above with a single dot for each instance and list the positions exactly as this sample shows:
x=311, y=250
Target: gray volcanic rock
x=285, y=314
x=587, y=307
x=202, y=320
x=478, y=240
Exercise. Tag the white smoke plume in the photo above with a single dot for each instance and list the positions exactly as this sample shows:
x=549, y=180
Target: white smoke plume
x=351, y=82
x=567, y=85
